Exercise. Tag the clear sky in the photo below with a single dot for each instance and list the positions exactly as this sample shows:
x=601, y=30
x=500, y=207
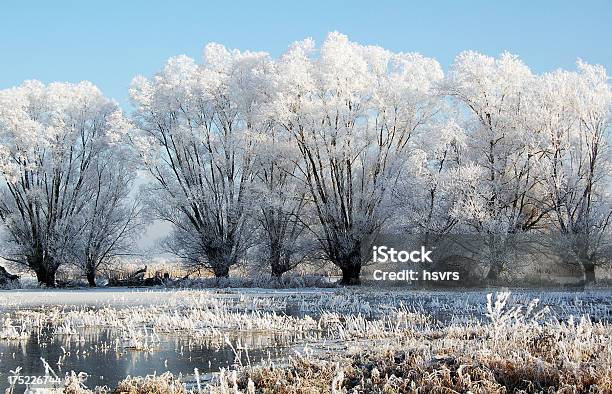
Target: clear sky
x=108, y=42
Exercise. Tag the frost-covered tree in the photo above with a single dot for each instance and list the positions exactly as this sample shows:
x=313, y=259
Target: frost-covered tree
x=200, y=126
x=353, y=111
x=427, y=193
x=573, y=114
x=499, y=192
x=53, y=140
x=109, y=225
x=282, y=204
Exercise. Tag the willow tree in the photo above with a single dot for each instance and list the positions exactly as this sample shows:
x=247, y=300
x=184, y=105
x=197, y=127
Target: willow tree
x=199, y=130
x=498, y=186
x=53, y=139
x=353, y=112
x=280, y=204
x=573, y=114
x=111, y=222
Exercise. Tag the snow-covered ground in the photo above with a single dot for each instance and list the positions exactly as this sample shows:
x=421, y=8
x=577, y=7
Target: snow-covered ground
x=112, y=333
x=119, y=297
x=597, y=303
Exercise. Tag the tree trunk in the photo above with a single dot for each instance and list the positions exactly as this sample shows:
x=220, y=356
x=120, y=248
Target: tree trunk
x=350, y=275
x=351, y=267
x=275, y=261
x=277, y=271
x=46, y=276
x=279, y=263
x=45, y=272
x=221, y=271
x=495, y=270
x=589, y=272
x=91, y=278
x=220, y=260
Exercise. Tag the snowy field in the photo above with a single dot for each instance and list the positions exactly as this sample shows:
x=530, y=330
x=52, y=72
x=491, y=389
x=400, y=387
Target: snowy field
x=210, y=340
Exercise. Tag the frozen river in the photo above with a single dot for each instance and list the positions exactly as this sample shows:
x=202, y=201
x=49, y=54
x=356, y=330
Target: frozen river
x=113, y=333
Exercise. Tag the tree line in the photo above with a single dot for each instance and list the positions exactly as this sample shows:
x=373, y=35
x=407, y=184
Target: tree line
x=305, y=157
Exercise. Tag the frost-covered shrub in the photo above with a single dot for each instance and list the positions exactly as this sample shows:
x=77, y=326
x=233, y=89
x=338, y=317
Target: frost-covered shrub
x=256, y=281
x=164, y=383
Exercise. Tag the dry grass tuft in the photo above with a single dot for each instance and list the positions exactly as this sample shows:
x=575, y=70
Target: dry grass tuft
x=161, y=384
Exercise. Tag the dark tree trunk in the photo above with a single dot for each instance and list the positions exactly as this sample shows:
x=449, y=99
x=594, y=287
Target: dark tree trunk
x=279, y=263
x=278, y=271
x=275, y=261
x=589, y=273
x=46, y=276
x=220, y=260
x=221, y=271
x=91, y=278
x=350, y=275
x=495, y=271
x=45, y=271
x=350, y=265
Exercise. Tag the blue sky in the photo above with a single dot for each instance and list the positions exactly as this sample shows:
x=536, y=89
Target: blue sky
x=108, y=42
